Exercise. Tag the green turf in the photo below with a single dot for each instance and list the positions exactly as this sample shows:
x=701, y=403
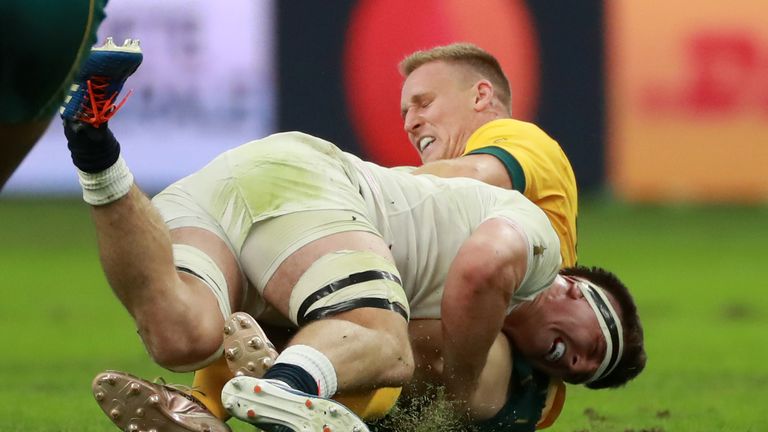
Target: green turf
x=698, y=275
x=695, y=272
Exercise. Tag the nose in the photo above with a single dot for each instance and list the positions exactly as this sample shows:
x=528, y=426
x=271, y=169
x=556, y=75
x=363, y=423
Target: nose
x=582, y=367
x=411, y=122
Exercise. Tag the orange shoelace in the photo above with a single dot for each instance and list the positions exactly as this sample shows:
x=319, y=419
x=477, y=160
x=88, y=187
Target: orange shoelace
x=101, y=108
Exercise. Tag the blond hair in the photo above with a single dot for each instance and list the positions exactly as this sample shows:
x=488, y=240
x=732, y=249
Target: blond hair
x=466, y=54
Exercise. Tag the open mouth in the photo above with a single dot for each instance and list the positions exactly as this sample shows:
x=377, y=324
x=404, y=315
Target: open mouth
x=556, y=351
x=425, y=142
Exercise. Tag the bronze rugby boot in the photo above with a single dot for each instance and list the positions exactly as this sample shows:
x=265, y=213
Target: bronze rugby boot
x=137, y=405
x=246, y=347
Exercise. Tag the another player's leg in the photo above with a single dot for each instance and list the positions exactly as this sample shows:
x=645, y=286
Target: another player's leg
x=18, y=140
x=344, y=293
x=208, y=383
x=43, y=44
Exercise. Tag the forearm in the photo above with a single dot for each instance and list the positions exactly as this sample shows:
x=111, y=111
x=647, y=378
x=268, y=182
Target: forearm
x=479, y=286
x=447, y=168
x=483, y=167
x=470, y=326
x=494, y=381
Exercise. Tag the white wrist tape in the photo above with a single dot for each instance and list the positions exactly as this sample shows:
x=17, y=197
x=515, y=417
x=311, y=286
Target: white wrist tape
x=106, y=186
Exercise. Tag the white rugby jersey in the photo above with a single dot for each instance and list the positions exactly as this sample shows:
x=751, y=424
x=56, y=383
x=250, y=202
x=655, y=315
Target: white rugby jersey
x=425, y=219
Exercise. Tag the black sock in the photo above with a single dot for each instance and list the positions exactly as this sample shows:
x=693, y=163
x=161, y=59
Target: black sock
x=93, y=149
x=295, y=376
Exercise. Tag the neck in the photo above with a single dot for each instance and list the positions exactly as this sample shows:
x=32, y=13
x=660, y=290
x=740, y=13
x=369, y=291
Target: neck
x=492, y=114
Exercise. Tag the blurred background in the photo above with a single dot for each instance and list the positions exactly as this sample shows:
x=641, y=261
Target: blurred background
x=651, y=102
x=662, y=108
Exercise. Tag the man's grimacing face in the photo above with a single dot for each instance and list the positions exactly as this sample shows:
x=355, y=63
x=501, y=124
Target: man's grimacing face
x=563, y=337
x=438, y=108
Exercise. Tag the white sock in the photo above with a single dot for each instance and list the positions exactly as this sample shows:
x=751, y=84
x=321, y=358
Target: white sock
x=315, y=363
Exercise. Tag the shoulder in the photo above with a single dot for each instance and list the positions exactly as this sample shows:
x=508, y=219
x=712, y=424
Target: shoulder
x=508, y=134
x=524, y=150
x=500, y=241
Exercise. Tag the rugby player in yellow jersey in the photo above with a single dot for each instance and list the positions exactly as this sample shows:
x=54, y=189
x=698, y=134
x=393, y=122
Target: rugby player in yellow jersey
x=456, y=109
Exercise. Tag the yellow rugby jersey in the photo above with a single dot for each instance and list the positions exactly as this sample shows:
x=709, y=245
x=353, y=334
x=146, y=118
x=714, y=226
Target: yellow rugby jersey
x=538, y=169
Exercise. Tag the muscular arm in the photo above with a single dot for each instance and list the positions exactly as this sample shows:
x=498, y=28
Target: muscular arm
x=483, y=167
x=488, y=268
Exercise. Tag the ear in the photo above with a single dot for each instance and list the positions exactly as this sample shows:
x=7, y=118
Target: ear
x=483, y=95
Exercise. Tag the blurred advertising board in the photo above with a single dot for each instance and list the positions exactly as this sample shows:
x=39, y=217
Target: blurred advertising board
x=687, y=100
x=206, y=84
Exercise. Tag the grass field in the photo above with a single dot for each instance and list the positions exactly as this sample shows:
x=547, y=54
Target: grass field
x=698, y=274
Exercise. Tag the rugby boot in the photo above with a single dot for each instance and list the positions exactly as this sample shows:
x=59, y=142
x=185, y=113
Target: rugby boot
x=273, y=406
x=92, y=95
x=137, y=405
x=246, y=347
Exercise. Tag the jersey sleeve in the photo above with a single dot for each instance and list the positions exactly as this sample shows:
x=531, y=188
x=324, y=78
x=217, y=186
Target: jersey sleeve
x=542, y=248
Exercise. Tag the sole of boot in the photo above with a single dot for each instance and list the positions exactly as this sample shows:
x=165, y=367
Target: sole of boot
x=135, y=405
x=247, y=349
x=272, y=408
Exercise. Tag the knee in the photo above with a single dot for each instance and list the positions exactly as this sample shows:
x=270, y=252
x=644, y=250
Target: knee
x=183, y=348
x=395, y=346
x=403, y=364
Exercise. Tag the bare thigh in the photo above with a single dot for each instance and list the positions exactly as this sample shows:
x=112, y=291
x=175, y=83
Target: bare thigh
x=220, y=253
x=277, y=291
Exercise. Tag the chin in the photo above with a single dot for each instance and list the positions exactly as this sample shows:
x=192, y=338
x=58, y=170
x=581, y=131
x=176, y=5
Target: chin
x=432, y=154
x=431, y=157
